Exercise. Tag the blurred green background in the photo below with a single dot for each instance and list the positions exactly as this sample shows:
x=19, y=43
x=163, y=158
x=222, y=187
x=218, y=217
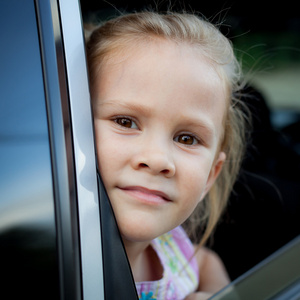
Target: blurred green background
x=271, y=61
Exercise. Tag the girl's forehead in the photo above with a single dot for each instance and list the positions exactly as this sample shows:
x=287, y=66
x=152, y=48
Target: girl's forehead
x=163, y=72
x=150, y=48
x=174, y=54
x=144, y=50
x=156, y=46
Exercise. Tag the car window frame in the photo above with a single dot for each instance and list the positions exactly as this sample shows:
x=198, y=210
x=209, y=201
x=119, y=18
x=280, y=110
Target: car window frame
x=72, y=149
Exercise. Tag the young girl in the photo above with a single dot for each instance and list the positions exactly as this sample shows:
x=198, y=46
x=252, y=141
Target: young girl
x=169, y=136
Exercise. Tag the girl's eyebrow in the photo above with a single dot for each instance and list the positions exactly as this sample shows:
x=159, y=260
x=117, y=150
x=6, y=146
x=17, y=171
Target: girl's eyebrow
x=138, y=108
x=204, y=126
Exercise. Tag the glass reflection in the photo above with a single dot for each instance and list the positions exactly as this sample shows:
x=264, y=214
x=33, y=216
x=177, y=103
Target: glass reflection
x=27, y=220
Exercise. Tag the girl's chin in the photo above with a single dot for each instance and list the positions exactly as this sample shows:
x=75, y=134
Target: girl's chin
x=141, y=237
x=139, y=234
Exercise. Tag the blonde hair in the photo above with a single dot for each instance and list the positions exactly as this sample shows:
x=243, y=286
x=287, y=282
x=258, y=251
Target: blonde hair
x=117, y=35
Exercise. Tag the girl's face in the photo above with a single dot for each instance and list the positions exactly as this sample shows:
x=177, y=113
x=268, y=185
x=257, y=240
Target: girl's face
x=158, y=123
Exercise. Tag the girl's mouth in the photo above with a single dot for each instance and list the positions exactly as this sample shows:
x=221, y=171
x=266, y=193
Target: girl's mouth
x=146, y=195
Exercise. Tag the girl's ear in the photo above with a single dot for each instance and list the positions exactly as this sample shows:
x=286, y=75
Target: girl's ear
x=214, y=172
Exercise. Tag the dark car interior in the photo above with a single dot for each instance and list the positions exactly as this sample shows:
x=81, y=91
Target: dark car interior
x=264, y=210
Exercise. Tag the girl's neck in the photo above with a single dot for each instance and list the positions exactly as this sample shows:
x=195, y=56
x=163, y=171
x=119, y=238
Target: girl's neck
x=144, y=262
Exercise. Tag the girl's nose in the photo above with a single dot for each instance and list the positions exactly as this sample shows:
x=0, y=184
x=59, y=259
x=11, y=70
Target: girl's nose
x=154, y=158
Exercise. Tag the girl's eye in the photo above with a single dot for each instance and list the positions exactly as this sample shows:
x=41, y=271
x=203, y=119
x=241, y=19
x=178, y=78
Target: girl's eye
x=126, y=122
x=186, y=139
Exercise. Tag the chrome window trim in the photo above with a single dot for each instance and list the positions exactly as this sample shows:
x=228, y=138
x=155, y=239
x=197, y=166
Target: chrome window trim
x=62, y=156
x=83, y=142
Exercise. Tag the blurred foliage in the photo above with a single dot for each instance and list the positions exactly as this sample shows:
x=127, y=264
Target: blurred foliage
x=278, y=48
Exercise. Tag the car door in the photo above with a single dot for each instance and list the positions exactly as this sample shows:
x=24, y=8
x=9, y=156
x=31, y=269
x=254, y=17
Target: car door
x=58, y=235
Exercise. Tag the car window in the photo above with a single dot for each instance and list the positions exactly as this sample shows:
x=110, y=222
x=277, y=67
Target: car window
x=29, y=265
x=264, y=211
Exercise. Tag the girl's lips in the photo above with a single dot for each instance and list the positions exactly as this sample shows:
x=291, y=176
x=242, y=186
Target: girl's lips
x=147, y=195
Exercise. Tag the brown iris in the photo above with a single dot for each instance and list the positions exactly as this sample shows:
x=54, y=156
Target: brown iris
x=186, y=139
x=124, y=122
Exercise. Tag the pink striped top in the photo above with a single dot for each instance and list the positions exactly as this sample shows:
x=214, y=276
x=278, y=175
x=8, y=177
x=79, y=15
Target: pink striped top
x=181, y=274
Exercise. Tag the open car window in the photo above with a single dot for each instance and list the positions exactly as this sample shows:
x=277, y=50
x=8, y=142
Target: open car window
x=264, y=211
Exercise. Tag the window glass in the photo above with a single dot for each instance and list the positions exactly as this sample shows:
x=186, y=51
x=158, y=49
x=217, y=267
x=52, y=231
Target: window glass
x=27, y=220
